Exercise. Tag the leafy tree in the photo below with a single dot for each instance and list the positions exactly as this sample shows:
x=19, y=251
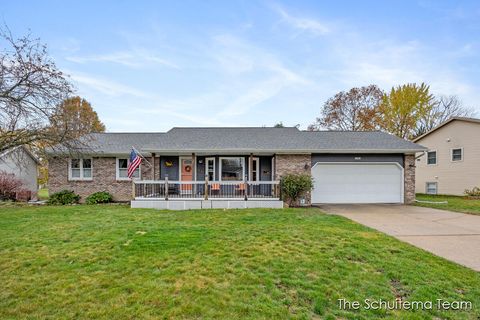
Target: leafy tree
x=31, y=88
x=279, y=125
x=77, y=116
x=352, y=110
x=443, y=108
x=403, y=108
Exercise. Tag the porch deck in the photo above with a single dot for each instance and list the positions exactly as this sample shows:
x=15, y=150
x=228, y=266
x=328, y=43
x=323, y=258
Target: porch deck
x=181, y=195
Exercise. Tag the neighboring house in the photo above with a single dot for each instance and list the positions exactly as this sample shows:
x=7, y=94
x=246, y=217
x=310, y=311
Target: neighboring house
x=23, y=164
x=452, y=162
x=239, y=164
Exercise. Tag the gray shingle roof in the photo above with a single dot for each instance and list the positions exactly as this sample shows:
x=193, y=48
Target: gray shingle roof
x=254, y=139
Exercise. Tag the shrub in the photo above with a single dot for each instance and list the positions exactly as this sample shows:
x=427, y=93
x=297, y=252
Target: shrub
x=64, y=197
x=23, y=195
x=99, y=197
x=295, y=185
x=475, y=192
x=9, y=185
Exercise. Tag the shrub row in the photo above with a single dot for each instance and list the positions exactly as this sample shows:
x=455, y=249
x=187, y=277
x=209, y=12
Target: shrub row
x=66, y=197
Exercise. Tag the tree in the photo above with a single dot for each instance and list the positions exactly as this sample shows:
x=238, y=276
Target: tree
x=279, y=125
x=443, y=108
x=31, y=88
x=352, y=110
x=77, y=115
x=402, y=109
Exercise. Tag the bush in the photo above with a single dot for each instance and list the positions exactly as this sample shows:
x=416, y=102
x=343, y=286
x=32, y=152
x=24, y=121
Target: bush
x=475, y=192
x=64, y=197
x=23, y=195
x=9, y=185
x=295, y=185
x=99, y=197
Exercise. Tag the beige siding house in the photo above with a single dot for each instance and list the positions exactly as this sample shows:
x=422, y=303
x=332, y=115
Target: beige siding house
x=452, y=162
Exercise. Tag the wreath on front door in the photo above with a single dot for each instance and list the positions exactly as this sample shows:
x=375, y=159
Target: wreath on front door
x=188, y=168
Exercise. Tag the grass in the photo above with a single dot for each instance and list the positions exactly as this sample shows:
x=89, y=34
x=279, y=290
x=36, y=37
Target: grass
x=112, y=262
x=43, y=194
x=455, y=203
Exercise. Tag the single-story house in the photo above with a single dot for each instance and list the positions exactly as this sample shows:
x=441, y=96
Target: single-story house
x=240, y=167
x=452, y=161
x=21, y=162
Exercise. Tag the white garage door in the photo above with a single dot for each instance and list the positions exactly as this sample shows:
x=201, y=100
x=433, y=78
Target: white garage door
x=357, y=183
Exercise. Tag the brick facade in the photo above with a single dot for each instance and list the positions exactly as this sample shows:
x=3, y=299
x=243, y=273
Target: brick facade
x=104, y=178
x=409, y=178
x=293, y=163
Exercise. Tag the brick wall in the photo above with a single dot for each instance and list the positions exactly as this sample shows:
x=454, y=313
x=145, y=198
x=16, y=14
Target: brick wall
x=104, y=179
x=409, y=179
x=293, y=163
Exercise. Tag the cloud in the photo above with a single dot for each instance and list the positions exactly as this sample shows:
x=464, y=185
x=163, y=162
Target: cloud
x=303, y=24
x=106, y=86
x=134, y=58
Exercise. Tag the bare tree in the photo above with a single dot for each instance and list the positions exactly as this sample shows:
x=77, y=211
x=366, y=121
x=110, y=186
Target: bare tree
x=31, y=88
x=443, y=108
x=352, y=110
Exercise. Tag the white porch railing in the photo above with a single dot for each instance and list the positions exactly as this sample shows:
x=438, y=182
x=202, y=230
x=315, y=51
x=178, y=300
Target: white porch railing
x=167, y=189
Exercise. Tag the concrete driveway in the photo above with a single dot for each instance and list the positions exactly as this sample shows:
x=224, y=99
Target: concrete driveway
x=451, y=235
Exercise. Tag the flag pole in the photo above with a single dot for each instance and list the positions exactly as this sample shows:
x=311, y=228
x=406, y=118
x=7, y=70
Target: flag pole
x=141, y=156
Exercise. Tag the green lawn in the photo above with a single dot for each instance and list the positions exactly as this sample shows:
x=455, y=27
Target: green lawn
x=43, y=194
x=455, y=203
x=112, y=262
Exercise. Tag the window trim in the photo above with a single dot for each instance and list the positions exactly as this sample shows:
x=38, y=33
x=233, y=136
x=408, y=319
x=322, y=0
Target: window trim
x=436, y=158
x=220, y=168
x=436, y=187
x=117, y=171
x=451, y=154
x=206, y=167
x=81, y=178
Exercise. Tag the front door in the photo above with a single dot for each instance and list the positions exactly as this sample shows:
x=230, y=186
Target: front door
x=186, y=174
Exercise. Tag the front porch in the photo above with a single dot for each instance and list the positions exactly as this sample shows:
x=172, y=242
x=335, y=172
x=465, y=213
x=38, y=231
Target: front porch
x=209, y=181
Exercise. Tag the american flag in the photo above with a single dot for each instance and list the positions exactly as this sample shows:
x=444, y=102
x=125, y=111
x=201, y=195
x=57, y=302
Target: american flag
x=134, y=163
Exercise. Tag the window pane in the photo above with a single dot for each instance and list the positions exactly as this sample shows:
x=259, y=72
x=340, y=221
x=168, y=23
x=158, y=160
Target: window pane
x=232, y=169
x=87, y=163
x=75, y=173
x=456, y=154
x=210, y=170
x=87, y=173
x=432, y=157
x=122, y=173
x=123, y=163
x=431, y=188
x=75, y=163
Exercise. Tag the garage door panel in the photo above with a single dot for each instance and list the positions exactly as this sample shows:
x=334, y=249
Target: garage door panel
x=357, y=183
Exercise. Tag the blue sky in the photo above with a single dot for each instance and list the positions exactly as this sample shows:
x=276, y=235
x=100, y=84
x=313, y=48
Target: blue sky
x=152, y=65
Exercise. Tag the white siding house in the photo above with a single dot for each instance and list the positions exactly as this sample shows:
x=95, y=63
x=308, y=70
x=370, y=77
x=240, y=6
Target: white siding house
x=21, y=162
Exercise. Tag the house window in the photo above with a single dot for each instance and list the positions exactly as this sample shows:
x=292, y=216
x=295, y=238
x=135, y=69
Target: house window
x=432, y=157
x=457, y=154
x=232, y=169
x=122, y=170
x=255, y=171
x=210, y=168
x=80, y=169
x=431, y=188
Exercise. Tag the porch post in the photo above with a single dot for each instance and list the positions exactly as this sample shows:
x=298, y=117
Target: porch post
x=194, y=173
